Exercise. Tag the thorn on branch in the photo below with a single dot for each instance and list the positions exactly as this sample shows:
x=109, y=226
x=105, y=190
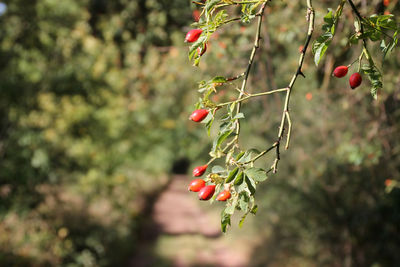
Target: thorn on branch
x=299, y=72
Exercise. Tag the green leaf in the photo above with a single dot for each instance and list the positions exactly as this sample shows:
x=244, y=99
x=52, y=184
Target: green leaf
x=207, y=119
x=218, y=169
x=238, y=179
x=329, y=17
x=240, y=155
x=257, y=174
x=320, y=46
x=251, y=185
x=248, y=155
x=226, y=127
x=222, y=137
x=225, y=221
x=254, y=209
x=242, y=220
x=210, y=4
x=244, y=201
x=230, y=208
x=218, y=79
x=209, y=124
x=375, y=78
x=193, y=48
x=238, y=116
x=232, y=175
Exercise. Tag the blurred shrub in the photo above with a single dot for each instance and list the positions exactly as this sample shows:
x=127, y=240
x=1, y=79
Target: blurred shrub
x=93, y=106
x=94, y=102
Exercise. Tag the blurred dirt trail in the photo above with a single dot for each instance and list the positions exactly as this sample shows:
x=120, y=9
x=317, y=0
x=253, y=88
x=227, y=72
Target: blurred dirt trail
x=183, y=233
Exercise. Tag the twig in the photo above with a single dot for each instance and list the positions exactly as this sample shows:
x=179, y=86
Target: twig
x=285, y=112
x=252, y=95
x=253, y=53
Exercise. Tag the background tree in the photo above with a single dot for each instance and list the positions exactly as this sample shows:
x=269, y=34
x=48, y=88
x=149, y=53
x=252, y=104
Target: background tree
x=94, y=102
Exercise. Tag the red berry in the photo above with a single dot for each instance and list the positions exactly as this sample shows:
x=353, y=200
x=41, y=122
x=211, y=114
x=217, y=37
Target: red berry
x=193, y=35
x=199, y=115
x=340, y=71
x=202, y=50
x=196, y=185
x=196, y=15
x=206, y=192
x=388, y=182
x=386, y=2
x=224, y=195
x=200, y=170
x=355, y=80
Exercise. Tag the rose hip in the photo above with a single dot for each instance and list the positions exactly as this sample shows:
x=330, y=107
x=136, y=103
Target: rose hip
x=196, y=185
x=199, y=115
x=206, y=192
x=200, y=170
x=224, y=195
x=355, y=80
x=193, y=35
x=340, y=71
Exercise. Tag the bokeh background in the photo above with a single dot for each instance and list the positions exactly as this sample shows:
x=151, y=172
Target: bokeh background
x=96, y=147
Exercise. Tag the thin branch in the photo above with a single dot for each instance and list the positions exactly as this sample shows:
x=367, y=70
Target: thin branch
x=251, y=96
x=253, y=53
x=285, y=112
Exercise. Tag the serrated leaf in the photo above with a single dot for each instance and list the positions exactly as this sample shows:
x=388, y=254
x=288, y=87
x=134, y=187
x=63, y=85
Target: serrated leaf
x=329, y=17
x=238, y=179
x=257, y=174
x=238, y=116
x=251, y=185
x=225, y=221
x=230, y=208
x=240, y=155
x=375, y=77
x=248, y=155
x=241, y=222
x=218, y=169
x=208, y=118
x=218, y=79
x=226, y=127
x=244, y=201
x=254, y=210
x=231, y=175
x=209, y=124
x=320, y=46
x=210, y=4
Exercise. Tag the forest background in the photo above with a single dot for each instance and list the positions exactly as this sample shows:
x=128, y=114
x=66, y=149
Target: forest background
x=94, y=104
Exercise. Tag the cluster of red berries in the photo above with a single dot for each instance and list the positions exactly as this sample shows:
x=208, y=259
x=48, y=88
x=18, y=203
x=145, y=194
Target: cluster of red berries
x=206, y=191
x=355, y=79
x=199, y=185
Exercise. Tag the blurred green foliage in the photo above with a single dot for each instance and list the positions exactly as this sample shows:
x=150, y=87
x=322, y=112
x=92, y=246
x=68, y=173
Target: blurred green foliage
x=89, y=124
x=94, y=101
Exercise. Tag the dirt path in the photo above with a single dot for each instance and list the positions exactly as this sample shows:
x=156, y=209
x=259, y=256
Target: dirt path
x=185, y=232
